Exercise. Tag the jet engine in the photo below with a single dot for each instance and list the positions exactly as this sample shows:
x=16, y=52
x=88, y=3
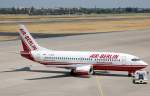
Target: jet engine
x=83, y=70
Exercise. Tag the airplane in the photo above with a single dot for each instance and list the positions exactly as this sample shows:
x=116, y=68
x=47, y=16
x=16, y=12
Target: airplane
x=79, y=62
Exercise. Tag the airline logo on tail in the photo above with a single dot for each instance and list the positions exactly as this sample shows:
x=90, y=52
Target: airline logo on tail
x=28, y=39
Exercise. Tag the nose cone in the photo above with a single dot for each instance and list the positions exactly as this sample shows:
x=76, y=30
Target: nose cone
x=144, y=63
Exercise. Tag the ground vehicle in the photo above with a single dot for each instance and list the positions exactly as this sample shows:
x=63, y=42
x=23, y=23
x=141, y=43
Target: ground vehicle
x=140, y=77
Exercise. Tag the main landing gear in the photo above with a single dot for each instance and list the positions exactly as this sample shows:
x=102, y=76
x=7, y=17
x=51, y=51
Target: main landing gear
x=72, y=72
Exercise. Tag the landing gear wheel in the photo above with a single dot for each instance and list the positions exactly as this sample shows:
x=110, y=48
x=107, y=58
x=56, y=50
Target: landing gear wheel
x=72, y=72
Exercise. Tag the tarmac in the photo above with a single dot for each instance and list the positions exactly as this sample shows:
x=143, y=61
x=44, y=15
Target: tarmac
x=21, y=77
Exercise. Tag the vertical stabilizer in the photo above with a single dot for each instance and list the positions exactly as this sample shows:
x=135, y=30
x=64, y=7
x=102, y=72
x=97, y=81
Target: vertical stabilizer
x=28, y=43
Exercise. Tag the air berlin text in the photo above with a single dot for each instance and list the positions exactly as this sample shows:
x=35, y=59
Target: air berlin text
x=102, y=56
x=28, y=39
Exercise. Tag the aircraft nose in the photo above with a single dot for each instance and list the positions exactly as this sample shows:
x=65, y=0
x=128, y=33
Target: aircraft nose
x=144, y=63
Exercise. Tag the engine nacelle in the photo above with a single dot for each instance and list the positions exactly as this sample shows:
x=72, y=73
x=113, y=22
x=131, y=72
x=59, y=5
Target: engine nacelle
x=83, y=70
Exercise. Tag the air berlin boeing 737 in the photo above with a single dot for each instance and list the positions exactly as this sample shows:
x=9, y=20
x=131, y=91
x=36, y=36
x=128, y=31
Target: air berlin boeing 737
x=84, y=63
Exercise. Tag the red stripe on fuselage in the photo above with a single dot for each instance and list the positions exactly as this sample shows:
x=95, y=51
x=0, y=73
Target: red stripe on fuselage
x=118, y=67
x=113, y=67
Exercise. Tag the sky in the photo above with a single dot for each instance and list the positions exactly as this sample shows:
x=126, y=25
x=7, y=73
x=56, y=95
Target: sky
x=75, y=3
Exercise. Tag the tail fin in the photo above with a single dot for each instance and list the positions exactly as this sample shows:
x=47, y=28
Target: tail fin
x=28, y=43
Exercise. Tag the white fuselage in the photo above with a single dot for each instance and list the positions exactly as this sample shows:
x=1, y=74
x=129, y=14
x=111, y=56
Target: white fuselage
x=99, y=60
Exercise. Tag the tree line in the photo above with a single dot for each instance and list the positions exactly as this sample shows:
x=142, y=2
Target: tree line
x=71, y=11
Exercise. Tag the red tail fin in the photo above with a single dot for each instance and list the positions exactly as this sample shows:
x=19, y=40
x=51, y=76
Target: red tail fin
x=28, y=43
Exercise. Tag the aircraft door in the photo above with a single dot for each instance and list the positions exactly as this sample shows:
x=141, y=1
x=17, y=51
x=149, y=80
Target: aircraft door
x=124, y=60
x=40, y=57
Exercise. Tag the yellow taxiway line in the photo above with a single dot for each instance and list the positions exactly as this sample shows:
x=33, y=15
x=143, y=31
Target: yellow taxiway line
x=99, y=87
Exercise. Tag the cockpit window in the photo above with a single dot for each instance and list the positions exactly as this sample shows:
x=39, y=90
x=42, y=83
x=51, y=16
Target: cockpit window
x=135, y=59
